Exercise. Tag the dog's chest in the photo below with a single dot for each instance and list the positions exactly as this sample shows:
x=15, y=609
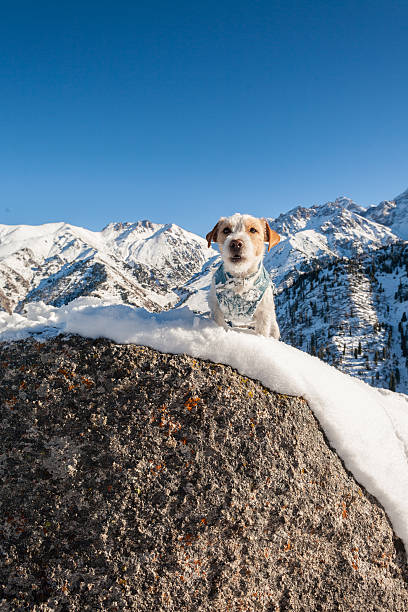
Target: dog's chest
x=239, y=298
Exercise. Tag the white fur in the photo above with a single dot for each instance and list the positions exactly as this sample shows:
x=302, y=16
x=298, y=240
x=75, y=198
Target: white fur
x=250, y=262
x=264, y=317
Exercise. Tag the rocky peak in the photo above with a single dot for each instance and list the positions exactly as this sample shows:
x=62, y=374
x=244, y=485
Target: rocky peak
x=393, y=214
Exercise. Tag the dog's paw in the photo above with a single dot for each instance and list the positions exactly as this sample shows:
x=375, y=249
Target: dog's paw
x=262, y=332
x=275, y=333
x=218, y=318
x=225, y=326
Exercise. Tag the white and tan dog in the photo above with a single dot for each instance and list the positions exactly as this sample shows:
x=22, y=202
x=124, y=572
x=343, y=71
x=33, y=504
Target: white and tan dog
x=241, y=290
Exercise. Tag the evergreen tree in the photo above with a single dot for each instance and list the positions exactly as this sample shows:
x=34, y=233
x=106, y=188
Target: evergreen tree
x=391, y=385
x=312, y=345
x=404, y=345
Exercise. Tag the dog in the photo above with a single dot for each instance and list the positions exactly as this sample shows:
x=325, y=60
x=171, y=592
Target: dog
x=241, y=291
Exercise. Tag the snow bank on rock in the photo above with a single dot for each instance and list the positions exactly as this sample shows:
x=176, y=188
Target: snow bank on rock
x=367, y=427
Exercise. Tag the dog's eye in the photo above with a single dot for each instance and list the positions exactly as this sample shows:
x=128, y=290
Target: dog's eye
x=253, y=230
x=226, y=230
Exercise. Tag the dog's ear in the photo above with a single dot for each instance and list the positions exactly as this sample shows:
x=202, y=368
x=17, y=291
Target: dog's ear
x=270, y=236
x=212, y=236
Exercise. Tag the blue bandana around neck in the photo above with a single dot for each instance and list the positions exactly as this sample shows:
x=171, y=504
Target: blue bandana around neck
x=238, y=298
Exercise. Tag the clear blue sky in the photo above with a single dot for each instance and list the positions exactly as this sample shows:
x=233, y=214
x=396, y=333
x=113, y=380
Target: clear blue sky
x=181, y=111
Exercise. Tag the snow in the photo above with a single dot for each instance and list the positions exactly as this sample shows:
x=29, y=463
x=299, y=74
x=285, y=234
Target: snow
x=367, y=427
x=335, y=229
x=144, y=263
x=46, y=240
x=148, y=243
x=393, y=213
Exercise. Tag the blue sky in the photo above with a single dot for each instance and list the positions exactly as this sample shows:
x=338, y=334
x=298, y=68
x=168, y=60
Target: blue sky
x=182, y=111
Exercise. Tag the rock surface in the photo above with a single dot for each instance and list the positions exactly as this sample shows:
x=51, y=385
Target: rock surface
x=134, y=480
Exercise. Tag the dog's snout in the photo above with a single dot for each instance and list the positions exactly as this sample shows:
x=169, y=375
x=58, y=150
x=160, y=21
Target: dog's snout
x=236, y=245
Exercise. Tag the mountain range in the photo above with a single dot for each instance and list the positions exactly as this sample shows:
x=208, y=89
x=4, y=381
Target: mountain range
x=143, y=263
x=340, y=272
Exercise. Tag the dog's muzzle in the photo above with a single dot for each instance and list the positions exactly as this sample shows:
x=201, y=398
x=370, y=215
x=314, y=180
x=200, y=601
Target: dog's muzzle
x=236, y=249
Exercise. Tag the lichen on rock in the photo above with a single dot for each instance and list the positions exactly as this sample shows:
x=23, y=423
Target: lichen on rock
x=135, y=480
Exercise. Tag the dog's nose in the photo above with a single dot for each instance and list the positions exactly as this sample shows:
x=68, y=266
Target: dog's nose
x=236, y=245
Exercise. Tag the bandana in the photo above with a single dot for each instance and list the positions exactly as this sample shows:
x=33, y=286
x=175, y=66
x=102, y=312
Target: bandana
x=237, y=297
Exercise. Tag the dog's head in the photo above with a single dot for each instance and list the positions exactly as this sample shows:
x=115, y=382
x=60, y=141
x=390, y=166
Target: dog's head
x=241, y=242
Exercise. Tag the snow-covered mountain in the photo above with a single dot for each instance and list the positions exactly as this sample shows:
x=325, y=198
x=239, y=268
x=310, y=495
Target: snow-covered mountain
x=139, y=263
x=338, y=270
x=393, y=214
x=322, y=232
x=167, y=249
x=352, y=313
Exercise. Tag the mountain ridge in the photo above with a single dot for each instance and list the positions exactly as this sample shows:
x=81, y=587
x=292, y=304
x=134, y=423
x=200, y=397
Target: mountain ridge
x=162, y=266
x=34, y=257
